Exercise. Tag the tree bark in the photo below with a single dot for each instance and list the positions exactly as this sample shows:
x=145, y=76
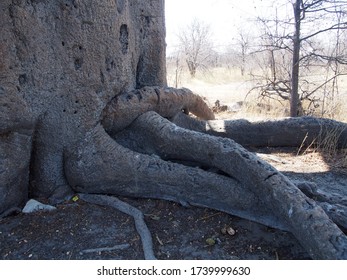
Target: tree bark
x=122, y=110
x=100, y=165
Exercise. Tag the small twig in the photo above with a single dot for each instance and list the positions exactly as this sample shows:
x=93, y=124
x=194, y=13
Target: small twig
x=107, y=249
x=302, y=144
x=207, y=217
x=160, y=242
x=140, y=224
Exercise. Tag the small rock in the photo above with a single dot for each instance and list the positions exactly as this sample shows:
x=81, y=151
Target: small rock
x=231, y=231
x=228, y=230
x=33, y=206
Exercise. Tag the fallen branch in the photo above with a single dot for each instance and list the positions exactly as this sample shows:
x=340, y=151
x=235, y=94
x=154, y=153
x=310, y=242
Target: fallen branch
x=140, y=224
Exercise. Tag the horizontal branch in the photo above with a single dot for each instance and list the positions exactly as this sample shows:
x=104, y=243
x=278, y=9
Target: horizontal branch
x=291, y=132
x=342, y=25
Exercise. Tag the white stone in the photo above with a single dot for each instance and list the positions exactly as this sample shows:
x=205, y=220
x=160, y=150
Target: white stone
x=33, y=206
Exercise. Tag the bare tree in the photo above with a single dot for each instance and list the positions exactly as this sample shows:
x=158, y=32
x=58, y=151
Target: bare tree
x=196, y=44
x=300, y=44
x=243, y=41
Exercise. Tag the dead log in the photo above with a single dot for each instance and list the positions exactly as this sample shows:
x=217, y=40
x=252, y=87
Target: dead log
x=289, y=132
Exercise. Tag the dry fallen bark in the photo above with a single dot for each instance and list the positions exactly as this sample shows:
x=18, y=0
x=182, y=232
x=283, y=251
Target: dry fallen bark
x=290, y=132
x=106, y=249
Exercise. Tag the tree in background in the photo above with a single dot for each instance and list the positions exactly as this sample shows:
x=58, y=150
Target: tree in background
x=243, y=42
x=196, y=46
x=303, y=44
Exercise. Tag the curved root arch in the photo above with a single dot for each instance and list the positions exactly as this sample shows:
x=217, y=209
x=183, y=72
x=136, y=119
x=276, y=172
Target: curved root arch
x=125, y=108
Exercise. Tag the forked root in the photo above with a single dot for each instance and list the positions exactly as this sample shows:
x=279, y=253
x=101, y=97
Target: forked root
x=142, y=166
x=126, y=208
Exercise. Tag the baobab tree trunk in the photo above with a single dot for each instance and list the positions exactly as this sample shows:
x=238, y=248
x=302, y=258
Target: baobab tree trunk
x=76, y=76
x=66, y=60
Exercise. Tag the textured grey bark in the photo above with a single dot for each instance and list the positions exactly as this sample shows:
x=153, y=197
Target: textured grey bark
x=15, y=151
x=66, y=60
x=125, y=108
x=100, y=165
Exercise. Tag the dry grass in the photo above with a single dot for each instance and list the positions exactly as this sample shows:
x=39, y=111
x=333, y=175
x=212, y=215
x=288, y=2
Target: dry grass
x=228, y=86
x=327, y=144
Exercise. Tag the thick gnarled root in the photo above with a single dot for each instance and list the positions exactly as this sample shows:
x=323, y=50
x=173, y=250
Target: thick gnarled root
x=140, y=163
x=100, y=165
x=306, y=219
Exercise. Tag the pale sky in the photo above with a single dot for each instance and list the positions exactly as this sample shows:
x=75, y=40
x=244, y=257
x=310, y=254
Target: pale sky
x=225, y=17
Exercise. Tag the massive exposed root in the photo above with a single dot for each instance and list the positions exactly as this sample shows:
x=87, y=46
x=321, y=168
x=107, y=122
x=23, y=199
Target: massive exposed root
x=303, y=215
x=289, y=132
x=100, y=165
x=142, y=160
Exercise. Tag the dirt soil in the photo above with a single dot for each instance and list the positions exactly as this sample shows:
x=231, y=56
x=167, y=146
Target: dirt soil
x=178, y=232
